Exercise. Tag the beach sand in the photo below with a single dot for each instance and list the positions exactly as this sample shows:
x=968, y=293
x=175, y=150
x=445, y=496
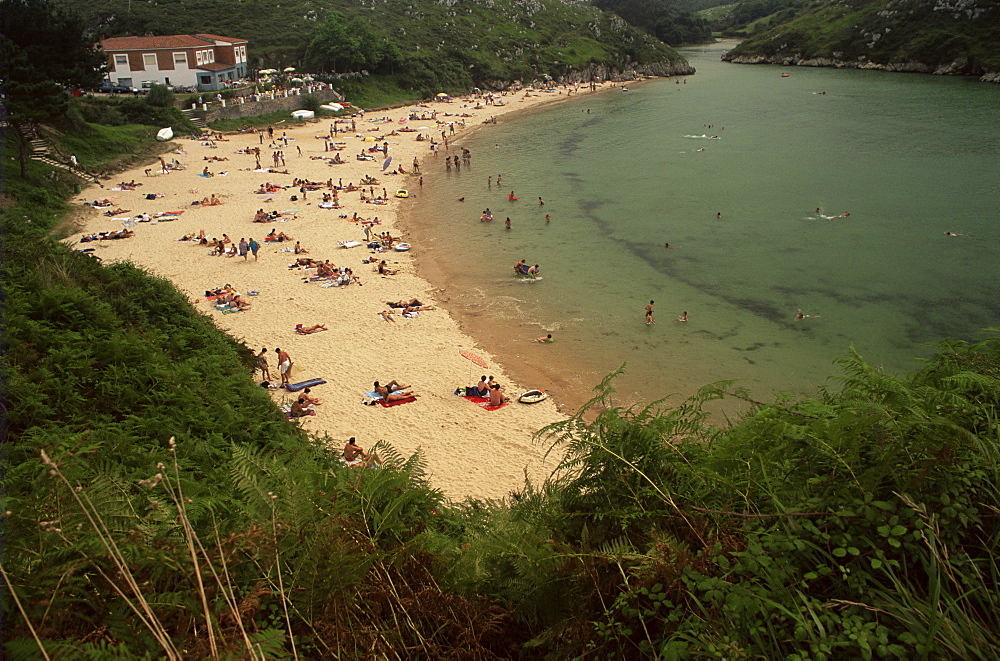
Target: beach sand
x=469, y=451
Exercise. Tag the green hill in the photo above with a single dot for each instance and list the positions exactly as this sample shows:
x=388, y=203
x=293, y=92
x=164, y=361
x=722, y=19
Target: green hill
x=955, y=37
x=447, y=44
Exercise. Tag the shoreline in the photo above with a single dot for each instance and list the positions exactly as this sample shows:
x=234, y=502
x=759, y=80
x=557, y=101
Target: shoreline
x=468, y=451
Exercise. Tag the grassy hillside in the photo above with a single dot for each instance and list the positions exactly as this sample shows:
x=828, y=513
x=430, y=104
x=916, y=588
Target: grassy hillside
x=448, y=44
x=914, y=35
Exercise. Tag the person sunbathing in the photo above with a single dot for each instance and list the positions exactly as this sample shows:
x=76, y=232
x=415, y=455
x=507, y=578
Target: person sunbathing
x=115, y=212
x=405, y=304
x=299, y=250
x=388, y=395
x=305, y=330
x=326, y=269
x=385, y=270
x=496, y=396
x=310, y=400
x=354, y=454
x=238, y=303
x=233, y=250
x=387, y=315
x=300, y=408
x=416, y=308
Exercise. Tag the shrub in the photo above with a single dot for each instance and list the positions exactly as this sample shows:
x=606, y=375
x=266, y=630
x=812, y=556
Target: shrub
x=160, y=96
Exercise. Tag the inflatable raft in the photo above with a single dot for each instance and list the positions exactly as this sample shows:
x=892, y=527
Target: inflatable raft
x=532, y=396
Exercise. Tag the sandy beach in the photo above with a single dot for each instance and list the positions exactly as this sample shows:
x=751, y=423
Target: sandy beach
x=469, y=451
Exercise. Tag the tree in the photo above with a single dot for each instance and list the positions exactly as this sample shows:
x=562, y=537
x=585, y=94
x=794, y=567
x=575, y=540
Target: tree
x=339, y=44
x=33, y=81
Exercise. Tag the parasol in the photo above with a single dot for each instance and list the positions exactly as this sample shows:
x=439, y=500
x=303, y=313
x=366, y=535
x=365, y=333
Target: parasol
x=474, y=358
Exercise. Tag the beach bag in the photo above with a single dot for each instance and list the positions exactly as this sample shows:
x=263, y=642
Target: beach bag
x=151, y=196
x=294, y=198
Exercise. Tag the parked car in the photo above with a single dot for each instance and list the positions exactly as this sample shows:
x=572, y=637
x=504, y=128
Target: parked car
x=108, y=88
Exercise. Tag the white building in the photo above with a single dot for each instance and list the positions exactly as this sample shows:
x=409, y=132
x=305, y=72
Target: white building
x=202, y=61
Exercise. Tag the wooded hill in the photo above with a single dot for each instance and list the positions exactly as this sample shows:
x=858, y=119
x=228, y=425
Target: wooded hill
x=424, y=44
x=928, y=36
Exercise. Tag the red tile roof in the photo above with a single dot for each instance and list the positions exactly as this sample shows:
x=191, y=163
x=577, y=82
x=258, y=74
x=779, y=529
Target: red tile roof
x=163, y=42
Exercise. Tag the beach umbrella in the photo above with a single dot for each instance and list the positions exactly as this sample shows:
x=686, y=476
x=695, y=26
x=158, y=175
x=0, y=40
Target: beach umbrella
x=289, y=69
x=474, y=358
x=442, y=95
x=267, y=71
x=387, y=162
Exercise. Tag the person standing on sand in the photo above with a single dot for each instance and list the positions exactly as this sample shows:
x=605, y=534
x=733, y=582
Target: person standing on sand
x=265, y=369
x=284, y=365
x=244, y=249
x=649, y=314
x=254, y=248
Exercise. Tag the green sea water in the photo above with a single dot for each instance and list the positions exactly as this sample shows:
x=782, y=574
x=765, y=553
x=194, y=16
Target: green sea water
x=911, y=157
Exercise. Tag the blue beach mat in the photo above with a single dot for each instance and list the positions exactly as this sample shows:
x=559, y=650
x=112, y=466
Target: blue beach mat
x=295, y=387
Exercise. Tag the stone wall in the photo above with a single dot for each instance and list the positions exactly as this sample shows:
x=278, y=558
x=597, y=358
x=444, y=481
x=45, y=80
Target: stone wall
x=244, y=107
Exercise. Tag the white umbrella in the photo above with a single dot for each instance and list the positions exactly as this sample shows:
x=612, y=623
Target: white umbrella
x=387, y=162
x=268, y=71
x=289, y=69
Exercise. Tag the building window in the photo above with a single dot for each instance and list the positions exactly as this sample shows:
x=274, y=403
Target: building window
x=200, y=58
x=181, y=59
x=121, y=61
x=210, y=56
x=205, y=80
x=149, y=60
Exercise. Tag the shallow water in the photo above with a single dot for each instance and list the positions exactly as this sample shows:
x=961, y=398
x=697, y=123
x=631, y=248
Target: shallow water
x=621, y=173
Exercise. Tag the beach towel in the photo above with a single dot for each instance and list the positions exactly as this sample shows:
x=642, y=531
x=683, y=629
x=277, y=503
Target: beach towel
x=295, y=387
x=490, y=407
x=477, y=400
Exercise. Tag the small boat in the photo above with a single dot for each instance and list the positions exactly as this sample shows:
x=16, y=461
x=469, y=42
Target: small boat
x=401, y=247
x=164, y=134
x=785, y=75
x=402, y=192
x=532, y=396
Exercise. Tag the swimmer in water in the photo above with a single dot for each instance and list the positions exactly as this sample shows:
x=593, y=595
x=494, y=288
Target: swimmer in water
x=545, y=338
x=954, y=233
x=718, y=215
x=800, y=316
x=683, y=317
